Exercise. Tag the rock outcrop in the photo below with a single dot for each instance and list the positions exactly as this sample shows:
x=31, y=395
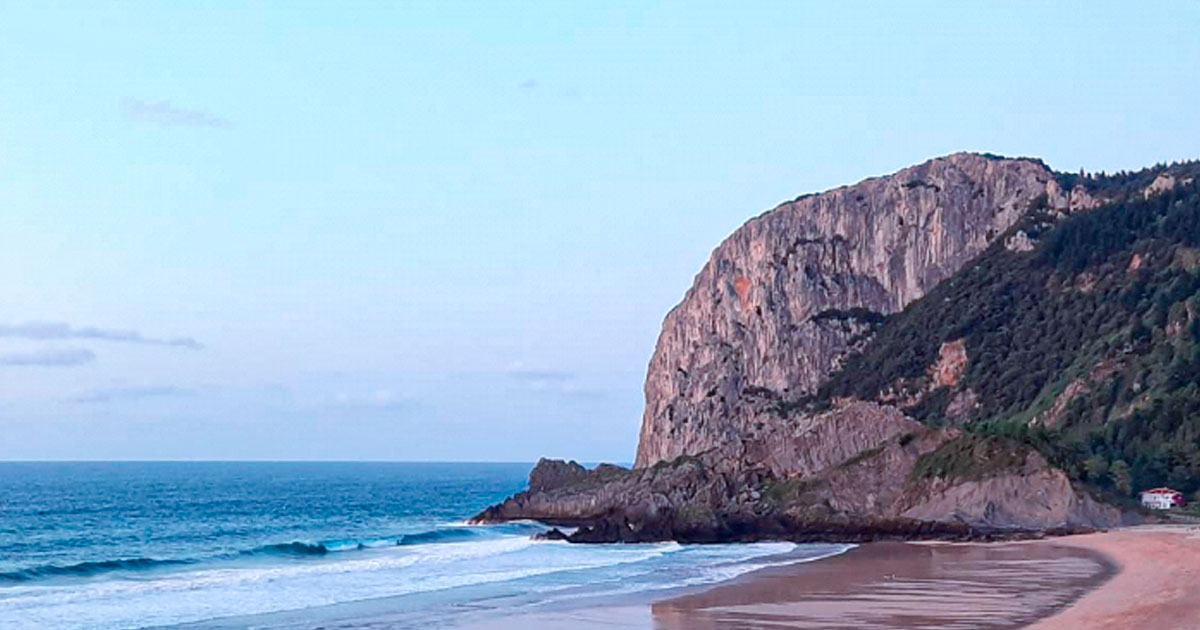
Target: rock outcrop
x=782, y=300
x=890, y=489
x=1023, y=499
x=733, y=445
x=1163, y=183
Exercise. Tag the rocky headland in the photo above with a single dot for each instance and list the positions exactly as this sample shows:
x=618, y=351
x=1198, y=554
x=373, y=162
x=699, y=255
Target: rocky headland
x=742, y=440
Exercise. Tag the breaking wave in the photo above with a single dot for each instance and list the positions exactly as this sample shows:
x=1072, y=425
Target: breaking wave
x=295, y=548
x=87, y=569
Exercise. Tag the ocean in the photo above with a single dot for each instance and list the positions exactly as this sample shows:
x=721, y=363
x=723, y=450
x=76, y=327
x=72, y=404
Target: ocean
x=118, y=545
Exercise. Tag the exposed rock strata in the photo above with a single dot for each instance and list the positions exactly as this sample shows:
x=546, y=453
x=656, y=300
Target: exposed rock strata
x=725, y=454
x=806, y=445
x=874, y=493
x=1023, y=499
x=752, y=320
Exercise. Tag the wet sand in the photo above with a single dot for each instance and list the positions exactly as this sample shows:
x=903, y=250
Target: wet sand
x=1158, y=585
x=880, y=585
x=895, y=585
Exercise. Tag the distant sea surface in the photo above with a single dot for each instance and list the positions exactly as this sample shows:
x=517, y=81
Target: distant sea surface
x=303, y=545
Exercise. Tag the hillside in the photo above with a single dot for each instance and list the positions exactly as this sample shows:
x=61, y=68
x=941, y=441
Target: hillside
x=974, y=346
x=1084, y=343
x=776, y=308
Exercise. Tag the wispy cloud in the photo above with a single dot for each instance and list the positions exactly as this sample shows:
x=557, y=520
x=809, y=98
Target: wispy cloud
x=540, y=376
x=375, y=399
x=164, y=114
x=554, y=381
x=49, y=358
x=131, y=393
x=44, y=331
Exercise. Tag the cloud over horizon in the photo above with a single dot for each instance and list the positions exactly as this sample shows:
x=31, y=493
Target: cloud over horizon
x=53, y=357
x=164, y=114
x=46, y=331
x=132, y=393
x=520, y=373
x=374, y=399
x=559, y=382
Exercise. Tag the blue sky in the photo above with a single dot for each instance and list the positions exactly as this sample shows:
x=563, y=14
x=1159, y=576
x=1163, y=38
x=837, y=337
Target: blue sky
x=450, y=230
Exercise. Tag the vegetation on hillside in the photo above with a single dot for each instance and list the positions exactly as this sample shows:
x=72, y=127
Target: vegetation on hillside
x=971, y=457
x=1086, y=348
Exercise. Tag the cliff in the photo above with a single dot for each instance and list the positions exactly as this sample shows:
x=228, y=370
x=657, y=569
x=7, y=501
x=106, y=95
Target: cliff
x=782, y=300
x=971, y=347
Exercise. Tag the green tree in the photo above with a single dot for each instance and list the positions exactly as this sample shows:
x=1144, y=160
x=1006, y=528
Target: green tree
x=1122, y=480
x=1097, y=468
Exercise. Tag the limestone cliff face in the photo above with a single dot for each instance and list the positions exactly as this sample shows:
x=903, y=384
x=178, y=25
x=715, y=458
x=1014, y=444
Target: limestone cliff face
x=730, y=449
x=781, y=300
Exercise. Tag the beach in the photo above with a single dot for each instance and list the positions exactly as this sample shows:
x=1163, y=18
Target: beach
x=1141, y=577
x=1157, y=586
x=354, y=546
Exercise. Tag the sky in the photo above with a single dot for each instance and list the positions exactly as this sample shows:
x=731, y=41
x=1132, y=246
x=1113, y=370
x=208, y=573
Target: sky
x=451, y=230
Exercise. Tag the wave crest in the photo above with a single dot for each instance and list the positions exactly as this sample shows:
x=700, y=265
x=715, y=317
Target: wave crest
x=85, y=569
x=294, y=549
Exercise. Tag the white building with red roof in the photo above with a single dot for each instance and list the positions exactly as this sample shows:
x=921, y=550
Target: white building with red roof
x=1162, y=498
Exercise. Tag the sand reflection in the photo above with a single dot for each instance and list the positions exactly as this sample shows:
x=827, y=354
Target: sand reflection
x=892, y=585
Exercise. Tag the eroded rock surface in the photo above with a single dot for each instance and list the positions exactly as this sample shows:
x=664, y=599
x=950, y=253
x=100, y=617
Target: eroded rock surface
x=726, y=451
x=782, y=299
x=877, y=486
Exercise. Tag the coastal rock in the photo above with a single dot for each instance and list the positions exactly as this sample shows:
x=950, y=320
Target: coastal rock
x=740, y=442
x=671, y=501
x=868, y=487
x=550, y=474
x=808, y=444
x=758, y=316
x=1033, y=499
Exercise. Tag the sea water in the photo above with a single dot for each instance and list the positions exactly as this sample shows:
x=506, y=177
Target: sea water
x=273, y=545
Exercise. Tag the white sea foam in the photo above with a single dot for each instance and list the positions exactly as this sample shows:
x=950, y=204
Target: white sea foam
x=274, y=584
x=121, y=602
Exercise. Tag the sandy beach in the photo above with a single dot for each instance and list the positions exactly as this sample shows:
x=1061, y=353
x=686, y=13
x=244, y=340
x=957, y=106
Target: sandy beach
x=1157, y=586
x=896, y=585
x=1143, y=577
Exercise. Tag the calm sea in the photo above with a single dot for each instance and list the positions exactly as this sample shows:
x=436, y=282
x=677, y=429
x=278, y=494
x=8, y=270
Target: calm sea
x=306, y=545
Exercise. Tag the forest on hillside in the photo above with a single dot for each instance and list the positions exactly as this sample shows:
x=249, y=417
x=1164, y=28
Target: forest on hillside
x=1086, y=348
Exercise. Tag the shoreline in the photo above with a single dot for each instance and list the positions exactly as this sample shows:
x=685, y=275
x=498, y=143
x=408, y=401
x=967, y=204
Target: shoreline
x=899, y=585
x=1150, y=579
x=879, y=585
x=1157, y=584
x=1140, y=577
x=1137, y=577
